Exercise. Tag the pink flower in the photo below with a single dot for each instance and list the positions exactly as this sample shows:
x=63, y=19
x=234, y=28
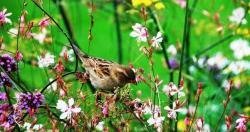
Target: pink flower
x=105, y=109
x=181, y=3
x=3, y=17
x=44, y=23
x=171, y=89
x=139, y=32
x=18, y=56
x=241, y=124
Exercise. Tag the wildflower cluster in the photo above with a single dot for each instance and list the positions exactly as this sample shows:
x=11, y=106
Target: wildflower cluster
x=30, y=102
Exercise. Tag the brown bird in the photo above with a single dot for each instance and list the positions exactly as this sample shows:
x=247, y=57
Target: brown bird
x=105, y=75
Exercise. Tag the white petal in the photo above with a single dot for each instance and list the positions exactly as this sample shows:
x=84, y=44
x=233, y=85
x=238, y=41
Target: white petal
x=61, y=105
x=8, y=14
x=64, y=115
x=4, y=10
x=134, y=34
x=181, y=94
x=167, y=108
x=76, y=110
x=71, y=102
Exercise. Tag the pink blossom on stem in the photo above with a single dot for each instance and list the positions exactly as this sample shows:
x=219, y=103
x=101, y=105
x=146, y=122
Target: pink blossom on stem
x=241, y=124
x=3, y=17
x=44, y=23
x=139, y=32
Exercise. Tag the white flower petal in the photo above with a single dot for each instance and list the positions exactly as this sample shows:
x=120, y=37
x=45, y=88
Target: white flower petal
x=76, y=110
x=71, y=102
x=61, y=105
x=64, y=115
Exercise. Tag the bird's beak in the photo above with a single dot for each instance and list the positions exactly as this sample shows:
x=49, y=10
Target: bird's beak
x=134, y=82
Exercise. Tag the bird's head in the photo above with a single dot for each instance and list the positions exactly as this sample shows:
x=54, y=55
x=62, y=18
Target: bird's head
x=130, y=75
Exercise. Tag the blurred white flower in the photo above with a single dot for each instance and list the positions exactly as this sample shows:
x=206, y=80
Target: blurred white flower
x=219, y=61
x=201, y=61
x=67, y=109
x=240, y=48
x=3, y=17
x=199, y=124
x=206, y=128
x=67, y=54
x=13, y=32
x=171, y=89
x=35, y=127
x=53, y=86
x=40, y=37
x=139, y=32
x=100, y=126
x=238, y=15
x=172, y=112
x=172, y=50
x=46, y=60
x=147, y=108
x=226, y=85
x=156, y=40
x=156, y=121
x=237, y=67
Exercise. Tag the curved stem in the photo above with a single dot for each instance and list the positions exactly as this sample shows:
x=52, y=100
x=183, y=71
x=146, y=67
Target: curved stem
x=60, y=28
x=46, y=86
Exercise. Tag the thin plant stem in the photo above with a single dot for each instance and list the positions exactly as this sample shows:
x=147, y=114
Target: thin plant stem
x=60, y=28
x=17, y=39
x=225, y=103
x=198, y=94
x=184, y=43
x=90, y=35
x=46, y=86
x=118, y=32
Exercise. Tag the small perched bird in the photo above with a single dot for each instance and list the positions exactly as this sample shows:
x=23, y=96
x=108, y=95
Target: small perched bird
x=105, y=75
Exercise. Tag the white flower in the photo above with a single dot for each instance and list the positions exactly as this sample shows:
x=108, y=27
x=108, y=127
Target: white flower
x=40, y=37
x=226, y=85
x=67, y=109
x=173, y=112
x=171, y=89
x=3, y=17
x=68, y=54
x=206, y=128
x=172, y=50
x=53, y=85
x=46, y=60
x=240, y=48
x=100, y=126
x=147, y=109
x=139, y=32
x=156, y=121
x=238, y=67
x=238, y=15
x=156, y=40
x=36, y=127
x=199, y=124
x=218, y=61
x=13, y=32
x=200, y=61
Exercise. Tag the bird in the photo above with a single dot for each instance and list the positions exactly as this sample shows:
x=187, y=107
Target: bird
x=105, y=75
